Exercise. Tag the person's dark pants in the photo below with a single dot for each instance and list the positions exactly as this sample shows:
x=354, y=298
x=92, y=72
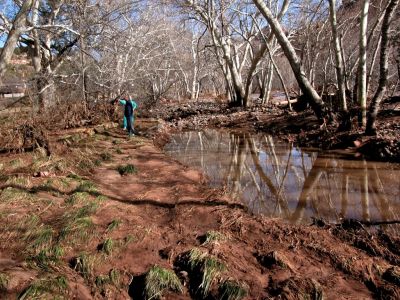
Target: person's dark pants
x=129, y=126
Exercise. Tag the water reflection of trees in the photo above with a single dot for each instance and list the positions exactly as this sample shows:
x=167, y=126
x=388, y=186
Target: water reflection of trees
x=280, y=180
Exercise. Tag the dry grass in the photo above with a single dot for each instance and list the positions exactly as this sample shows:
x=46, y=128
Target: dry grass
x=158, y=280
x=210, y=267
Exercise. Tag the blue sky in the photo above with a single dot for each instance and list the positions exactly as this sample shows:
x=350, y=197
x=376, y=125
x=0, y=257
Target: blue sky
x=7, y=8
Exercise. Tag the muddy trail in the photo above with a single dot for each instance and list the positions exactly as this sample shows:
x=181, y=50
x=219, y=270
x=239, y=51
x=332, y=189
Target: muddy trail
x=106, y=217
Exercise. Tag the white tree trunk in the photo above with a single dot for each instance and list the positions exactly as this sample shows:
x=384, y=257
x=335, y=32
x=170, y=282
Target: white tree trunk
x=312, y=96
x=338, y=56
x=384, y=66
x=362, y=64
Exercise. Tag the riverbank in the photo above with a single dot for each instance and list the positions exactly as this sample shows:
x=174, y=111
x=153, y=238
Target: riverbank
x=107, y=217
x=302, y=128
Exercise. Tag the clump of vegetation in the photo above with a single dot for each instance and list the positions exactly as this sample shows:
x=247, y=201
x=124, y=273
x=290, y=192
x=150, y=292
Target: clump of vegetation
x=42, y=287
x=233, y=290
x=4, y=279
x=113, y=225
x=118, y=151
x=75, y=177
x=208, y=265
x=130, y=239
x=159, y=280
x=39, y=238
x=101, y=198
x=87, y=186
x=78, y=223
x=84, y=264
x=86, y=164
x=214, y=237
x=15, y=163
x=102, y=280
x=108, y=246
x=47, y=257
x=20, y=181
x=79, y=228
x=77, y=197
x=113, y=277
x=106, y=156
x=127, y=169
x=11, y=194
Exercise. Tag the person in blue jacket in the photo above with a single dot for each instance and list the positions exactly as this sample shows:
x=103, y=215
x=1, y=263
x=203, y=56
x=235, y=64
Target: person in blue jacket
x=129, y=107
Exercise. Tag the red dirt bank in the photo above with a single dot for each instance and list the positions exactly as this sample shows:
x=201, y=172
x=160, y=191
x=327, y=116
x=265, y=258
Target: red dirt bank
x=164, y=210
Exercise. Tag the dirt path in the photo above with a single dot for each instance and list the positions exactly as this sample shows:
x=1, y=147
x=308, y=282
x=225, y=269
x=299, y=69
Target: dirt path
x=163, y=214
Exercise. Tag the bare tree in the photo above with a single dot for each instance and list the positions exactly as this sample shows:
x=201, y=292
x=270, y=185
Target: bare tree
x=384, y=56
x=18, y=27
x=338, y=55
x=312, y=96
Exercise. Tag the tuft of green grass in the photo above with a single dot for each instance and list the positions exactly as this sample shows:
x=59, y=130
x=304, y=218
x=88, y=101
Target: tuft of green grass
x=127, y=169
x=78, y=223
x=29, y=221
x=4, y=279
x=106, y=156
x=11, y=194
x=75, y=177
x=84, y=211
x=113, y=225
x=108, y=246
x=86, y=164
x=233, y=290
x=21, y=181
x=84, y=264
x=113, y=277
x=196, y=257
x=43, y=288
x=159, y=280
x=47, y=257
x=102, y=280
x=39, y=238
x=212, y=237
x=79, y=228
x=210, y=267
x=16, y=163
x=77, y=197
x=87, y=186
x=130, y=239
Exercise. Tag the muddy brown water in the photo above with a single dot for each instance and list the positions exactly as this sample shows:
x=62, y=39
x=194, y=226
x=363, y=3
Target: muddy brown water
x=280, y=180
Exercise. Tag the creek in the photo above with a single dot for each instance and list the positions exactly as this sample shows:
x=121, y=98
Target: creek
x=280, y=180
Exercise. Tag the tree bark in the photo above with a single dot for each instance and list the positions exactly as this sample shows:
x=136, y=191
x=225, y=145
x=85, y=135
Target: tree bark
x=13, y=36
x=383, y=71
x=362, y=64
x=309, y=92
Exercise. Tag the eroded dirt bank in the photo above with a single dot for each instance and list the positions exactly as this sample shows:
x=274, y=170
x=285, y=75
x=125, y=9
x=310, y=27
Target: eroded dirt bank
x=103, y=212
